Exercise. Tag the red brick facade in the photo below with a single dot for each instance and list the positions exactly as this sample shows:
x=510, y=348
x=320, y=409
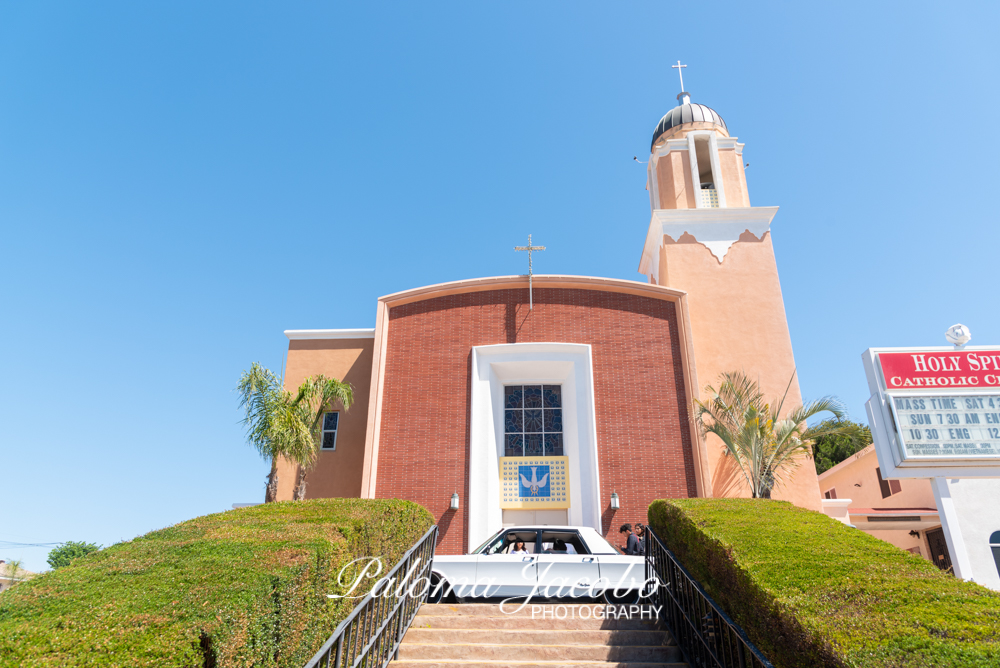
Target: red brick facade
x=643, y=438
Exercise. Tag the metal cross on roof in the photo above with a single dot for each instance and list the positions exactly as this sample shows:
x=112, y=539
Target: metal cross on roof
x=680, y=71
x=529, y=248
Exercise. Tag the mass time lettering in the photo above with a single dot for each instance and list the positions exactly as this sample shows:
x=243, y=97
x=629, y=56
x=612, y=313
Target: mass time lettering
x=946, y=403
x=949, y=426
x=953, y=433
x=954, y=418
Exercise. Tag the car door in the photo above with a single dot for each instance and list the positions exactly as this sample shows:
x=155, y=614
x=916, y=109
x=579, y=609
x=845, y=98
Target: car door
x=617, y=570
x=459, y=571
x=571, y=572
x=622, y=572
x=505, y=575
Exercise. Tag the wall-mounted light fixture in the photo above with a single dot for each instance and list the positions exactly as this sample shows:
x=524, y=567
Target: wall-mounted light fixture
x=915, y=534
x=454, y=501
x=614, y=501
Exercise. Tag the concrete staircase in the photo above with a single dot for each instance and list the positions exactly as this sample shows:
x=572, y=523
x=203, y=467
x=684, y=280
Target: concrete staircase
x=480, y=636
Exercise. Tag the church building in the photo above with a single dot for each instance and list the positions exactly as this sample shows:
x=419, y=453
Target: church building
x=552, y=399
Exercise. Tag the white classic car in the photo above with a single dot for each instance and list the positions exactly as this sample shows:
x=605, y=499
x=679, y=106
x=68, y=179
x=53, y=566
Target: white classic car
x=561, y=562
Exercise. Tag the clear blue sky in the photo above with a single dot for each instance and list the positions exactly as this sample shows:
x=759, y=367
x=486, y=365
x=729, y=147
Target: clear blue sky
x=180, y=182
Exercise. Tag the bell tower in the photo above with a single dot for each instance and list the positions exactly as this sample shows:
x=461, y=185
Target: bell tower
x=704, y=238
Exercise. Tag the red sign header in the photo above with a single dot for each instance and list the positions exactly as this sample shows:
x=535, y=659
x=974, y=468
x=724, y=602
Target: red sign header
x=940, y=369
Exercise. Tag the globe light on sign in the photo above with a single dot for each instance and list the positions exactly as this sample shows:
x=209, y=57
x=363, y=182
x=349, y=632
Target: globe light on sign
x=958, y=335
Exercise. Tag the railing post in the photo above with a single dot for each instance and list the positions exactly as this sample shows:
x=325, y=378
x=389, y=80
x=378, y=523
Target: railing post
x=340, y=652
x=371, y=634
x=702, y=631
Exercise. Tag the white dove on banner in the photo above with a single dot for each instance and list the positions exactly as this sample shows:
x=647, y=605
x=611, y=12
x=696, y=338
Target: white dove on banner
x=534, y=484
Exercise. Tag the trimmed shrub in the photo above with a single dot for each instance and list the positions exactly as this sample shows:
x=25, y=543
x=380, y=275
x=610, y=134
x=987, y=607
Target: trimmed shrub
x=811, y=591
x=242, y=588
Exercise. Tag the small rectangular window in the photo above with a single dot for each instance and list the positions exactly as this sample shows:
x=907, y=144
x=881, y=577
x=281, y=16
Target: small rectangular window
x=831, y=493
x=562, y=542
x=885, y=485
x=330, y=421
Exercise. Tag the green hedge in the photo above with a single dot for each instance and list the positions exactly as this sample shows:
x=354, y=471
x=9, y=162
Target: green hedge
x=811, y=591
x=241, y=588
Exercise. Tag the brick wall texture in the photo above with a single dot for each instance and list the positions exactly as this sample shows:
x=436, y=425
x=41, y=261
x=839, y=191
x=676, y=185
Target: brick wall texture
x=644, y=445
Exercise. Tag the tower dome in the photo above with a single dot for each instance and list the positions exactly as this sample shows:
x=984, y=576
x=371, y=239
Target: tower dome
x=687, y=112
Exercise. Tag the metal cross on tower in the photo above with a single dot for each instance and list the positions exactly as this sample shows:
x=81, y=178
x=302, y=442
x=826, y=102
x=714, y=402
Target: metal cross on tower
x=680, y=71
x=529, y=248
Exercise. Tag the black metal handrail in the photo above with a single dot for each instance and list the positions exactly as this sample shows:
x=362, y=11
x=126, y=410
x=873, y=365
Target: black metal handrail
x=371, y=634
x=706, y=635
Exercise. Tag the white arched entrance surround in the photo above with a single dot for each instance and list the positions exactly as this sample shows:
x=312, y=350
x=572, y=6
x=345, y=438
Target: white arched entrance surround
x=493, y=367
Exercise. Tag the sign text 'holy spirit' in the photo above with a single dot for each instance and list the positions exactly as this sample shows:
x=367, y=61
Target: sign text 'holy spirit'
x=920, y=370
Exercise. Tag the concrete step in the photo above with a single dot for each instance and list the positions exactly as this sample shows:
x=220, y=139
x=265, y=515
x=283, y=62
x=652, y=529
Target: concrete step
x=467, y=609
x=432, y=663
x=538, y=653
x=514, y=622
x=516, y=610
x=537, y=636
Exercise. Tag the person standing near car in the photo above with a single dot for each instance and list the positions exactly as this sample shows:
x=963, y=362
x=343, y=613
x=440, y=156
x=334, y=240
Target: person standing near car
x=640, y=534
x=631, y=541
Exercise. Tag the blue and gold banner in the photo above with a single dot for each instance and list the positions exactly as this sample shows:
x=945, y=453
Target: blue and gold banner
x=529, y=483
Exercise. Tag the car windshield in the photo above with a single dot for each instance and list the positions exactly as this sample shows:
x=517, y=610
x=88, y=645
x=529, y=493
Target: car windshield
x=597, y=543
x=584, y=540
x=485, y=543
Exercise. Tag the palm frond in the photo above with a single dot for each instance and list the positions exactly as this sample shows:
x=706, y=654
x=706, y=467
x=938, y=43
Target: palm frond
x=764, y=446
x=284, y=424
x=260, y=394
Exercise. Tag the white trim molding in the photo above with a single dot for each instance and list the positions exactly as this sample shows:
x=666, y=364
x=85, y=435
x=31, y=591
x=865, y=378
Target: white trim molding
x=693, y=165
x=729, y=143
x=653, y=184
x=567, y=364
x=838, y=509
x=682, y=145
x=715, y=229
x=301, y=334
x=670, y=145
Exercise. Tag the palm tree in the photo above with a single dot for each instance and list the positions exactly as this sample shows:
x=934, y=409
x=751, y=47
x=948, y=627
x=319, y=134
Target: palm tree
x=316, y=396
x=764, y=446
x=14, y=571
x=282, y=424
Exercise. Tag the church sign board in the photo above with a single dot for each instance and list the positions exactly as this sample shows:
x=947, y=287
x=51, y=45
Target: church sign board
x=935, y=411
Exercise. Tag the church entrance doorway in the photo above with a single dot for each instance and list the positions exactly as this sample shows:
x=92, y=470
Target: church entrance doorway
x=513, y=517
x=533, y=438
x=939, y=549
